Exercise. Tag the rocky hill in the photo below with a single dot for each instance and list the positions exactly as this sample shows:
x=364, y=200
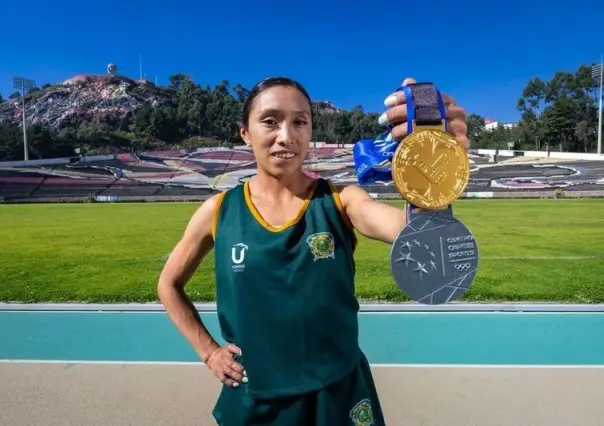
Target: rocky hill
x=105, y=114
x=102, y=98
x=86, y=98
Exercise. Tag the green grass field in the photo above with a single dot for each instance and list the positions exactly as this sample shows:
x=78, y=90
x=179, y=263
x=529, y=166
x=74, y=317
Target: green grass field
x=531, y=250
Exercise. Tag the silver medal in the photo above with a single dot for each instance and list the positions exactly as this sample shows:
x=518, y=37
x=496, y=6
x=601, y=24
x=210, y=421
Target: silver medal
x=434, y=258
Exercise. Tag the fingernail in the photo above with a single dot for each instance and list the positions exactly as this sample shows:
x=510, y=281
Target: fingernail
x=236, y=384
x=244, y=373
x=390, y=101
x=383, y=120
x=244, y=380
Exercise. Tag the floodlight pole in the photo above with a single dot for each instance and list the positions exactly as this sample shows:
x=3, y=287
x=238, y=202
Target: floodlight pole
x=23, y=84
x=598, y=71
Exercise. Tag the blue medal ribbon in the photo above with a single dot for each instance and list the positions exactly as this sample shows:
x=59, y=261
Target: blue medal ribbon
x=372, y=157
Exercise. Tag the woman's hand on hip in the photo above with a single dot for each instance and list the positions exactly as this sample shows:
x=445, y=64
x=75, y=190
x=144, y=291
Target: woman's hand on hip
x=221, y=362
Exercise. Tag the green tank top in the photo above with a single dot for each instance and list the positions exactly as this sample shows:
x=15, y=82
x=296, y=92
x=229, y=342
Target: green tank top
x=286, y=295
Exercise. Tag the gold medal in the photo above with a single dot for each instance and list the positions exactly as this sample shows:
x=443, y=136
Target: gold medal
x=430, y=169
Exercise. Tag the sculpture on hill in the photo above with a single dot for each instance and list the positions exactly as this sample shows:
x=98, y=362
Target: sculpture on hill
x=111, y=69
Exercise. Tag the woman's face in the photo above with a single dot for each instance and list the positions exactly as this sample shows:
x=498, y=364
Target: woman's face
x=279, y=130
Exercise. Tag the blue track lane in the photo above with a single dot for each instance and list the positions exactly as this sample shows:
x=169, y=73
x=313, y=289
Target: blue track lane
x=387, y=338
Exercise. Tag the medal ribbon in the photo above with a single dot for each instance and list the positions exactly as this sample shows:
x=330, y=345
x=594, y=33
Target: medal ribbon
x=372, y=156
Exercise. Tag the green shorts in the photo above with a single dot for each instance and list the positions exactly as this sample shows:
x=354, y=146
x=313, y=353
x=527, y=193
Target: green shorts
x=351, y=401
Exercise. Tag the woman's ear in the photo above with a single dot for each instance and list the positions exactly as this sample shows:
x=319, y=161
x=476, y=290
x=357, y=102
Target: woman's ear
x=243, y=132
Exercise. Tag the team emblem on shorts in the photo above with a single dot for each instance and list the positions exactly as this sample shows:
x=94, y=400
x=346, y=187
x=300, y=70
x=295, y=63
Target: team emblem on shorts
x=321, y=245
x=361, y=414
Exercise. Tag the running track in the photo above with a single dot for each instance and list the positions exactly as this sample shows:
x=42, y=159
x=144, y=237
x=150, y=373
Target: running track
x=458, y=365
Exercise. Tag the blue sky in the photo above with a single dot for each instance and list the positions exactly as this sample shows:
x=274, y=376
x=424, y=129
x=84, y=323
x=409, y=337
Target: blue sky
x=350, y=53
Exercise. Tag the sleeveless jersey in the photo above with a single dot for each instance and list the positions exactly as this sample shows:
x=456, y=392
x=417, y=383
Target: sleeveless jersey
x=285, y=295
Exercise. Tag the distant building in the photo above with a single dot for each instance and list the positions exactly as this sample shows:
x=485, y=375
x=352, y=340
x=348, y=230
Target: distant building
x=493, y=124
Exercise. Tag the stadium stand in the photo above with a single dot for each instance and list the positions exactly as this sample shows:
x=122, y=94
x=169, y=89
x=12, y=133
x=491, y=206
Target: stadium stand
x=173, y=175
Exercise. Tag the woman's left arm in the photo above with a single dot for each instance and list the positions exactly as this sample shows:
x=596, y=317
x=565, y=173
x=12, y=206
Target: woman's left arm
x=373, y=219
x=381, y=221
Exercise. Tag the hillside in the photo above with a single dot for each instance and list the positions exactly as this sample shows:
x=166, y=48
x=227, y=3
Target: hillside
x=107, y=115
x=86, y=98
x=102, y=114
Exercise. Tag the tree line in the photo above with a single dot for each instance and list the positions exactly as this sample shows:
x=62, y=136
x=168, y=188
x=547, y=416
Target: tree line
x=559, y=114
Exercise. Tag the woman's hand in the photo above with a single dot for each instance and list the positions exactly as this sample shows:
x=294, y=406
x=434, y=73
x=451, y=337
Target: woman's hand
x=397, y=115
x=222, y=363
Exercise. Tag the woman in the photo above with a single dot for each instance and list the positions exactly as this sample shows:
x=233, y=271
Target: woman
x=284, y=245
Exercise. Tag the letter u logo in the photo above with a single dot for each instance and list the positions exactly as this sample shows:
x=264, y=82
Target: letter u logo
x=237, y=258
x=238, y=255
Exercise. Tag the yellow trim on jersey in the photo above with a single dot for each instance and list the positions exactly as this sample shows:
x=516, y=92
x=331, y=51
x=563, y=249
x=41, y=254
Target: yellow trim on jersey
x=219, y=199
x=264, y=223
x=338, y=202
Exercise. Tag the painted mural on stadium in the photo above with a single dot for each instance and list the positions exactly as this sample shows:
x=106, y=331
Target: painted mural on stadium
x=209, y=170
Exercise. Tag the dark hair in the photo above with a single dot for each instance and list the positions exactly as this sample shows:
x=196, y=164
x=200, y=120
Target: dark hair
x=265, y=84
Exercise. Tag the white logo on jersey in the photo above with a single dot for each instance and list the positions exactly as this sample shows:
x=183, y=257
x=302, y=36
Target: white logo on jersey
x=238, y=256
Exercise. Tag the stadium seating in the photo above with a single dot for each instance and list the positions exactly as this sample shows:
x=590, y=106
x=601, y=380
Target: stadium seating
x=205, y=171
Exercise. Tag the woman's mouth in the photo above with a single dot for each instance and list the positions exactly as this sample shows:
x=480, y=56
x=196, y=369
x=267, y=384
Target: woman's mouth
x=284, y=155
